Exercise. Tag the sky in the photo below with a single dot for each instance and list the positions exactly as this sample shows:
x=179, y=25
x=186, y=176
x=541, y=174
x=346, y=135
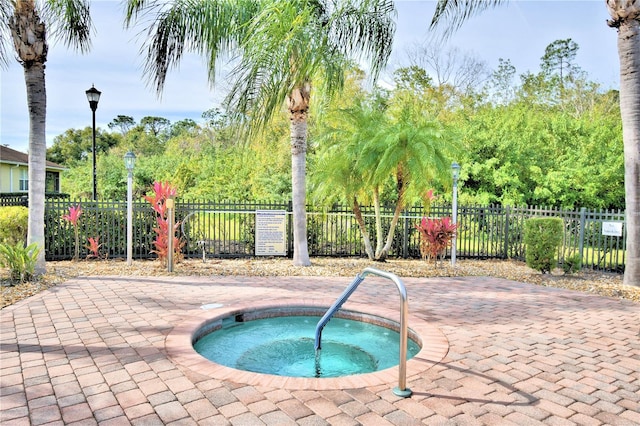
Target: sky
x=518, y=31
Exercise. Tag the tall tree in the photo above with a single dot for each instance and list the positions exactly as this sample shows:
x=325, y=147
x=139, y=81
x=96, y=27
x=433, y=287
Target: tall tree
x=625, y=17
x=26, y=23
x=559, y=56
x=123, y=123
x=282, y=48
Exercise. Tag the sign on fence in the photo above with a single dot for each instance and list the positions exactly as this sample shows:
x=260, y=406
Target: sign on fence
x=613, y=229
x=271, y=233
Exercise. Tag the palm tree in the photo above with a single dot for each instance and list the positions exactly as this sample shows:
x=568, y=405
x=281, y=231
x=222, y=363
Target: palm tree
x=373, y=143
x=27, y=24
x=280, y=49
x=625, y=17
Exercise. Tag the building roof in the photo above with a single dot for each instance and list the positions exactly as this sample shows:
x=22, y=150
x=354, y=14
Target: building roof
x=11, y=156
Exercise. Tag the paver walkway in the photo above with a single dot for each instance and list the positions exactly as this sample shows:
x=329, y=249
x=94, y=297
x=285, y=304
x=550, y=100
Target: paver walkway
x=92, y=351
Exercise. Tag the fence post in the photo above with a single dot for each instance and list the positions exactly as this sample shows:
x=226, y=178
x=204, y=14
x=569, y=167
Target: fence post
x=290, y=229
x=583, y=223
x=405, y=236
x=506, y=232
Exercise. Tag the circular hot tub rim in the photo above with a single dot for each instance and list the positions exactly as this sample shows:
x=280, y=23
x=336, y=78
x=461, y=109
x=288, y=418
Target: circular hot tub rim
x=179, y=343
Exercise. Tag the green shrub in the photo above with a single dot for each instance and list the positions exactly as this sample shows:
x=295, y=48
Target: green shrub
x=20, y=260
x=13, y=225
x=542, y=237
x=572, y=264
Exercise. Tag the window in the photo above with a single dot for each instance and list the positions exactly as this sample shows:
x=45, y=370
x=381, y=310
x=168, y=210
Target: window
x=24, y=180
x=52, y=182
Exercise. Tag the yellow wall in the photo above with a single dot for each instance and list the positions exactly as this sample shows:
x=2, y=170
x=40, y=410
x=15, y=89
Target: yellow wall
x=7, y=183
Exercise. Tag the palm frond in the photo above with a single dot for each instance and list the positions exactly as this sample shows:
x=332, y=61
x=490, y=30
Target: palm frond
x=363, y=29
x=70, y=22
x=7, y=8
x=456, y=12
x=211, y=28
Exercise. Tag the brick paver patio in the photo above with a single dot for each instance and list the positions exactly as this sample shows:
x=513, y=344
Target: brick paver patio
x=92, y=351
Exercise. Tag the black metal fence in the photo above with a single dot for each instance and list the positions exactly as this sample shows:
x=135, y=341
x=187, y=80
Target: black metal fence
x=227, y=229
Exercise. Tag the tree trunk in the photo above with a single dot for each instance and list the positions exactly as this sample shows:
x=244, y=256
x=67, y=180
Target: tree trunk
x=363, y=228
x=629, y=52
x=298, y=106
x=382, y=255
x=29, y=40
x=37, y=102
x=624, y=17
x=378, y=213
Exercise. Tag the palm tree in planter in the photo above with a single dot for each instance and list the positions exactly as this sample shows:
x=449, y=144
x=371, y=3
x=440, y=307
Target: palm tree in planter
x=625, y=17
x=279, y=49
x=26, y=23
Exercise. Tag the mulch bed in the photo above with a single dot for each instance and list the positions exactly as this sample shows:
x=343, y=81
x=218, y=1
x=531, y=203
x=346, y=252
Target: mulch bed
x=601, y=283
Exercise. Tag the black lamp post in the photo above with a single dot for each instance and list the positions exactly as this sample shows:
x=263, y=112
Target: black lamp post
x=93, y=96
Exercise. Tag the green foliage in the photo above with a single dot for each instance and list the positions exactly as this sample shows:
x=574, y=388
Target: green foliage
x=542, y=237
x=526, y=143
x=13, y=225
x=572, y=264
x=76, y=145
x=20, y=260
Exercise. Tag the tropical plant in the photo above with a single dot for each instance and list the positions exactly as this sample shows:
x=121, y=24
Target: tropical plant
x=93, y=247
x=20, y=260
x=625, y=18
x=162, y=191
x=282, y=48
x=435, y=236
x=383, y=144
x=27, y=23
x=73, y=217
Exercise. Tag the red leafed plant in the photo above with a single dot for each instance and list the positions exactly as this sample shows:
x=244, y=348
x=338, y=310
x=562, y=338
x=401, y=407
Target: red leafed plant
x=435, y=236
x=94, y=247
x=73, y=217
x=161, y=192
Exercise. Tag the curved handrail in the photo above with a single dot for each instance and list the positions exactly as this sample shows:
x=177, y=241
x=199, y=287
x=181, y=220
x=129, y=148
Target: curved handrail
x=402, y=389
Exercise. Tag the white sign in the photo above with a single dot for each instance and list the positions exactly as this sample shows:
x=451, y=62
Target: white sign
x=613, y=229
x=271, y=233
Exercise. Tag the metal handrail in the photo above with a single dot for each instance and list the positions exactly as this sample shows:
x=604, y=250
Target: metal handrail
x=402, y=389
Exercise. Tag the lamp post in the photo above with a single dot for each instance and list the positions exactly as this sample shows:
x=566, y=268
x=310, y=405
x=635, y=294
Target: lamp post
x=170, y=204
x=93, y=96
x=455, y=172
x=129, y=163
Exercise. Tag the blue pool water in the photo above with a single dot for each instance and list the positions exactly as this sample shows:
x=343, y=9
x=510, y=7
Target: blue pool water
x=284, y=346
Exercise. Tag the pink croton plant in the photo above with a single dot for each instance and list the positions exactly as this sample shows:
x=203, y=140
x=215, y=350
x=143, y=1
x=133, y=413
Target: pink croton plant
x=435, y=236
x=94, y=247
x=73, y=217
x=161, y=192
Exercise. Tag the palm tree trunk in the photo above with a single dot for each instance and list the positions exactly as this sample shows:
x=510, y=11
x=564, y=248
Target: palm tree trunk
x=394, y=221
x=629, y=53
x=357, y=212
x=298, y=107
x=37, y=102
x=378, y=213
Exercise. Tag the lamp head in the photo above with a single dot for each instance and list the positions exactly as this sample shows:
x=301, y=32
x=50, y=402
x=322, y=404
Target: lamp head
x=455, y=170
x=129, y=160
x=93, y=96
